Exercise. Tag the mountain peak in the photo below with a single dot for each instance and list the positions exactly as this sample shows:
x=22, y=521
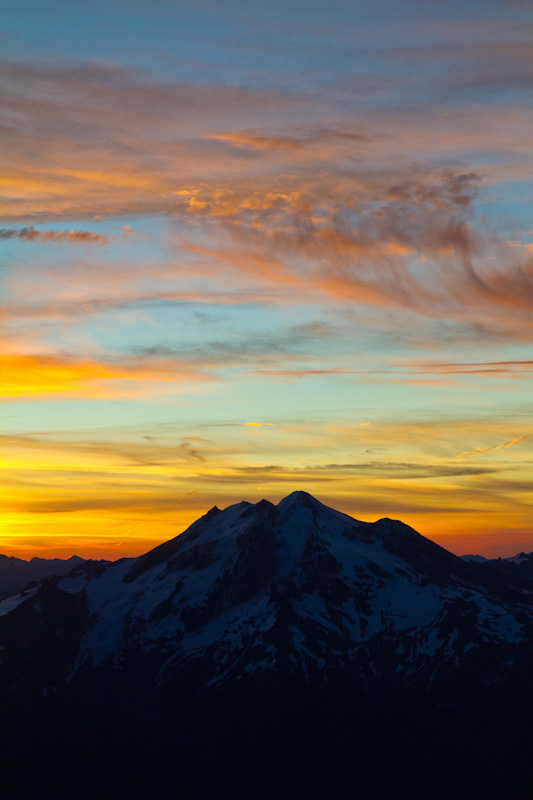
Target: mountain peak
x=299, y=498
x=298, y=589
x=258, y=602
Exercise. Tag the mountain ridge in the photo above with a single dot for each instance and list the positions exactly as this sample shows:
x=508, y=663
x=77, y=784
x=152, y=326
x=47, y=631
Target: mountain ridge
x=16, y=573
x=343, y=642
x=227, y=578
x=518, y=566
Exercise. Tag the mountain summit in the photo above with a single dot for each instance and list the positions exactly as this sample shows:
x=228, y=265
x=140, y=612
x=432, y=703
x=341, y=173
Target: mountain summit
x=295, y=588
x=260, y=608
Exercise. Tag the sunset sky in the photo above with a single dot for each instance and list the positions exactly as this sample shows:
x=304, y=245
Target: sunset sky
x=253, y=247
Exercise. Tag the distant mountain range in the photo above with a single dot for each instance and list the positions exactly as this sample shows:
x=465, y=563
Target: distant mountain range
x=284, y=650
x=520, y=566
x=15, y=573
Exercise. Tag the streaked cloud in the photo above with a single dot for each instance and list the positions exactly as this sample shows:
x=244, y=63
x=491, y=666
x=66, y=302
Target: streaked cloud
x=340, y=219
x=479, y=451
x=41, y=375
x=475, y=368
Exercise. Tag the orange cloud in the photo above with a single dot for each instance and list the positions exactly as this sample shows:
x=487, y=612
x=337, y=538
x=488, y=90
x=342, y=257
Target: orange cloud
x=482, y=450
x=287, y=205
x=370, y=259
x=30, y=376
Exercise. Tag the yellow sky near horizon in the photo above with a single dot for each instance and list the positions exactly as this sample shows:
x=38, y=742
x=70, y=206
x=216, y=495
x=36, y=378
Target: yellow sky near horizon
x=122, y=496
x=255, y=248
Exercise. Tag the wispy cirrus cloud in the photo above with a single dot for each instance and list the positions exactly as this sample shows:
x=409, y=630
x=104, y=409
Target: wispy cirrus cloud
x=135, y=144
x=395, y=372
x=358, y=210
x=479, y=451
x=299, y=139
x=406, y=243
x=128, y=145
x=74, y=306
x=309, y=372
x=497, y=61
x=500, y=368
x=145, y=370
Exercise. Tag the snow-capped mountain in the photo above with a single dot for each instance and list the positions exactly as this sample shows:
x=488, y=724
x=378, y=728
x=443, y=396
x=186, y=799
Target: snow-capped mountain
x=475, y=559
x=519, y=566
x=520, y=558
x=296, y=588
x=286, y=651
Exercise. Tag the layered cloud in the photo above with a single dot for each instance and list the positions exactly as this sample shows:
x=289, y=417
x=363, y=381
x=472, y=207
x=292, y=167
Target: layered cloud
x=94, y=139
x=119, y=478
x=148, y=370
x=395, y=241
x=357, y=208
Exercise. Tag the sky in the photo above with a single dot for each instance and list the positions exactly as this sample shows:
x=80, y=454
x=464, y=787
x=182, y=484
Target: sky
x=251, y=248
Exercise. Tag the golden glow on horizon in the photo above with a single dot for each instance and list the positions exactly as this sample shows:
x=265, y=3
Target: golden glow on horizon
x=195, y=247
x=115, y=533
x=39, y=375
x=119, y=497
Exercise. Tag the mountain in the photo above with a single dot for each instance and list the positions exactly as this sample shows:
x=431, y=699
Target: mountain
x=15, y=573
x=280, y=640
x=475, y=559
x=519, y=566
